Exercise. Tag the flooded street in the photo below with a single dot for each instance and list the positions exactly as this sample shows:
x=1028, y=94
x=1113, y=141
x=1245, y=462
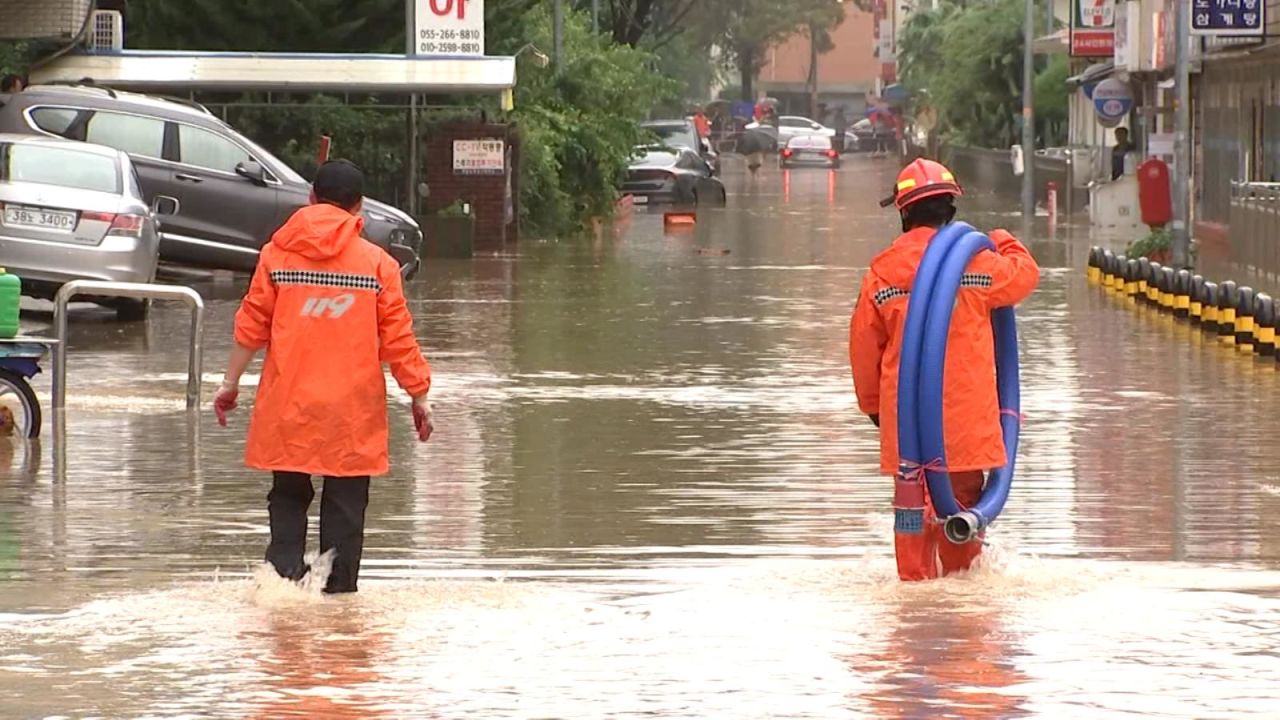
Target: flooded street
x=650, y=494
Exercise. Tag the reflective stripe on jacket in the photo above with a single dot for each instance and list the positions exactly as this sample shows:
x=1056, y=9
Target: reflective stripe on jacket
x=329, y=308
x=971, y=412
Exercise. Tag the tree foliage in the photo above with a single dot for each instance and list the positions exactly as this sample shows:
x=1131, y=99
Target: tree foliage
x=579, y=125
x=748, y=28
x=969, y=58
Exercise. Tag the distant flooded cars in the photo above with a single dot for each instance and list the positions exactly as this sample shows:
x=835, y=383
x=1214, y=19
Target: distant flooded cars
x=809, y=150
x=72, y=211
x=672, y=175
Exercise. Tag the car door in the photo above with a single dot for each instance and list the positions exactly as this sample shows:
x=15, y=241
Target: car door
x=225, y=217
x=789, y=127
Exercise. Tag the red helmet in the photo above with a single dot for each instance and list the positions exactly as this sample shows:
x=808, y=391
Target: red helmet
x=922, y=179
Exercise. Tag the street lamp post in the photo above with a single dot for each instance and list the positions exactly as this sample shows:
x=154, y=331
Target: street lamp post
x=1180, y=246
x=1028, y=114
x=558, y=31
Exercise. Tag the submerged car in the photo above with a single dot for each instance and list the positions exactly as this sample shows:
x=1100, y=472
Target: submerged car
x=234, y=194
x=672, y=175
x=683, y=133
x=75, y=211
x=810, y=150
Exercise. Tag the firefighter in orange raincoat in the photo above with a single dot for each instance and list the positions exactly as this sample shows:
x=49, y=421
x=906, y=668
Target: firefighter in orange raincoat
x=925, y=197
x=328, y=307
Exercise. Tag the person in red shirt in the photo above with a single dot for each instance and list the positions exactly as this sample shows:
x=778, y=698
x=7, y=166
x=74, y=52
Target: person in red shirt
x=703, y=125
x=328, y=307
x=925, y=197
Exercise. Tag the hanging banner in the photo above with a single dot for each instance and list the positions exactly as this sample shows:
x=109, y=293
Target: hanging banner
x=1093, y=28
x=1228, y=18
x=449, y=27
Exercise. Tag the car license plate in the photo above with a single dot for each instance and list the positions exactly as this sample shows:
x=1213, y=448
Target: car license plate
x=640, y=199
x=33, y=217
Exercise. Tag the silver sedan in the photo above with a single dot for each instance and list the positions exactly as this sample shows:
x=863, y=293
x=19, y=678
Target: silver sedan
x=74, y=211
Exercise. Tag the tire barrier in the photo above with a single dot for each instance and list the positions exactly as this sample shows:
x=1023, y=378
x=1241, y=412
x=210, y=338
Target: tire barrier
x=920, y=384
x=1238, y=316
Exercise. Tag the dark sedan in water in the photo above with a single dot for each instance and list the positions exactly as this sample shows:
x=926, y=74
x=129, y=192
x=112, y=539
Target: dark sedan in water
x=672, y=175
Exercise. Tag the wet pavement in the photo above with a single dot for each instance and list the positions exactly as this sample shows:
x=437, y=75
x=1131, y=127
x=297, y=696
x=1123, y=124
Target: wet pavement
x=650, y=494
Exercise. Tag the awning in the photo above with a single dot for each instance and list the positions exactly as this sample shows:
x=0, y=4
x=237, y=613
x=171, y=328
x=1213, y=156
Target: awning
x=1058, y=43
x=1093, y=73
x=284, y=72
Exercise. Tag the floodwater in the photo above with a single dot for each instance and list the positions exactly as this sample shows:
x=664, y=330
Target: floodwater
x=650, y=494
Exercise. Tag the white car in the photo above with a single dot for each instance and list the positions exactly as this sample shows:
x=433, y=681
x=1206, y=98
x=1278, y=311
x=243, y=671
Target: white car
x=790, y=126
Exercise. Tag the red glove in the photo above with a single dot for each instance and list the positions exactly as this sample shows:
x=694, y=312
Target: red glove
x=422, y=418
x=224, y=401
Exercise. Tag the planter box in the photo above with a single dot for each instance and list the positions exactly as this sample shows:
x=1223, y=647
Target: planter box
x=448, y=236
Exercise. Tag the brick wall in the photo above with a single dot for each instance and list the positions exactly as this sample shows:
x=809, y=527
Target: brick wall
x=486, y=193
x=41, y=19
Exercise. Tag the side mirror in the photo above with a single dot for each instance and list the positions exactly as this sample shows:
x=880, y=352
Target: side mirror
x=164, y=205
x=252, y=171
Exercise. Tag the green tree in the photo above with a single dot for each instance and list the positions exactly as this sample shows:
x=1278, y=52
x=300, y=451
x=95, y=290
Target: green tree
x=578, y=126
x=969, y=58
x=746, y=29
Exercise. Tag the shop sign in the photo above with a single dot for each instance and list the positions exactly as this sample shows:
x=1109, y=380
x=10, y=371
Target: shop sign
x=449, y=27
x=479, y=157
x=1228, y=18
x=1093, y=24
x=1112, y=101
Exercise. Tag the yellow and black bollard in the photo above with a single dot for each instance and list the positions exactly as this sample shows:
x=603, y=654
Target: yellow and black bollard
x=1182, y=295
x=1264, y=325
x=1244, y=319
x=1210, y=312
x=1228, y=296
x=1144, y=273
x=1131, y=278
x=1154, y=271
x=1108, y=267
x=1166, y=289
x=1119, y=263
x=1195, y=309
x=1095, y=265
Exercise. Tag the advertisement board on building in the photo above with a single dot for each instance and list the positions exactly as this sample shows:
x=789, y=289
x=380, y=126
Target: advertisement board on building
x=1228, y=18
x=479, y=157
x=1093, y=25
x=449, y=27
x=1128, y=38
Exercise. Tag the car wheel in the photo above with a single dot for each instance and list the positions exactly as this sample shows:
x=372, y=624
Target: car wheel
x=131, y=310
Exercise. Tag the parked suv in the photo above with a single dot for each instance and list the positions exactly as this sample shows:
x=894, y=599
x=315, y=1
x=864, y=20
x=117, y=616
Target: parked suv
x=233, y=194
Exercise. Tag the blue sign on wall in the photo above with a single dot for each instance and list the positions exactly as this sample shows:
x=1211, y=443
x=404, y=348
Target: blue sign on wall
x=1228, y=18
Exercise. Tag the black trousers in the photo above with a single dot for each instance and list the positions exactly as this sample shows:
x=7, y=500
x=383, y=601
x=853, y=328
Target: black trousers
x=342, y=506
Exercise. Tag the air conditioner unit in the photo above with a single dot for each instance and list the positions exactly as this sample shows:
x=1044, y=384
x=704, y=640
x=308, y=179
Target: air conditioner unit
x=107, y=33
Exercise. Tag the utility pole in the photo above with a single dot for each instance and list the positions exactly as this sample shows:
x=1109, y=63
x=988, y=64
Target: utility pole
x=558, y=31
x=1181, y=244
x=1028, y=114
x=595, y=16
x=410, y=50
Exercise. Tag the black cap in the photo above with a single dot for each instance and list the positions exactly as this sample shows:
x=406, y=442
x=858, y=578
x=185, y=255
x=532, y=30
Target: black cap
x=339, y=182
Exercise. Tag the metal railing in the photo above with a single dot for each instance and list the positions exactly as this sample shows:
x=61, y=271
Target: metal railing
x=1255, y=226
x=139, y=291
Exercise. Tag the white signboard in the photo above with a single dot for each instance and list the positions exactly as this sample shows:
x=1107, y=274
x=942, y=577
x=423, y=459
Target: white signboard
x=479, y=157
x=449, y=27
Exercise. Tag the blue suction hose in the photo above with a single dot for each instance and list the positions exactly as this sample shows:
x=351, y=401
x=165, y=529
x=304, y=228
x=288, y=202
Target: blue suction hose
x=920, y=377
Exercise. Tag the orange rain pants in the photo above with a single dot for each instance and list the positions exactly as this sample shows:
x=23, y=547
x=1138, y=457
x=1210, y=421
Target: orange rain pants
x=929, y=554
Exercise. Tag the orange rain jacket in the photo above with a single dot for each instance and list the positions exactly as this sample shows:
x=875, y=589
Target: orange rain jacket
x=970, y=412
x=328, y=306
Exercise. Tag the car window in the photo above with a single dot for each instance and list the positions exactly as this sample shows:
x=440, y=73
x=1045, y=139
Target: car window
x=687, y=162
x=655, y=158
x=133, y=134
x=54, y=120
x=135, y=183
x=817, y=142
x=65, y=167
x=202, y=148
x=795, y=122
